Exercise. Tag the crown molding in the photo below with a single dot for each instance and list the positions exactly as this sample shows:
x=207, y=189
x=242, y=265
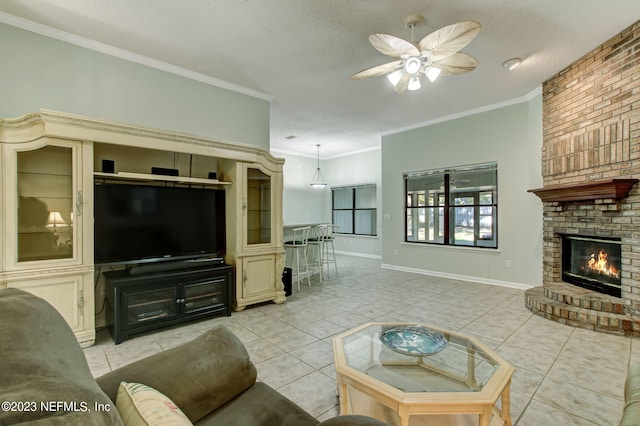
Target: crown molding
x=331, y=157
x=526, y=98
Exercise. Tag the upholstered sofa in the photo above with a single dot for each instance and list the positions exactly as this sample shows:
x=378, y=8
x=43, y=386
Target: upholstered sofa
x=46, y=379
x=631, y=413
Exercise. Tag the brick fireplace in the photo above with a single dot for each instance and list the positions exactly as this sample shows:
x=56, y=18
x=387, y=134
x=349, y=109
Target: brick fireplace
x=590, y=169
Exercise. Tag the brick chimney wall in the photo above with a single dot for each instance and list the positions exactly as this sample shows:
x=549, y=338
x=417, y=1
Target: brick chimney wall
x=591, y=131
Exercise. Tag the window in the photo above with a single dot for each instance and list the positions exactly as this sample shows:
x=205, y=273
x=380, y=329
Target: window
x=456, y=206
x=354, y=209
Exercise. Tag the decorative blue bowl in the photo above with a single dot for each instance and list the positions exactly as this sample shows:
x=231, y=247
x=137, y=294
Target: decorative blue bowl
x=414, y=340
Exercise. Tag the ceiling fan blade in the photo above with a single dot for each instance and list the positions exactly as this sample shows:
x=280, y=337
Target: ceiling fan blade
x=377, y=70
x=458, y=63
x=403, y=84
x=450, y=39
x=393, y=46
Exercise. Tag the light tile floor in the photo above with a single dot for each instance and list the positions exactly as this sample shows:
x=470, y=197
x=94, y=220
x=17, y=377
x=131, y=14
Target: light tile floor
x=564, y=375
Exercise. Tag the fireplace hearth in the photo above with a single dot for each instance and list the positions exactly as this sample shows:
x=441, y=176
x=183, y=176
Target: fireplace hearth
x=593, y=263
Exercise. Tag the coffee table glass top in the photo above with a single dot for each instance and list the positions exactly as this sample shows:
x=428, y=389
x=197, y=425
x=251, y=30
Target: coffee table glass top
x=419, y=358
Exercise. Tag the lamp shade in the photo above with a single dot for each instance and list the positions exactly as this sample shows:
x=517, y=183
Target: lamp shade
x=55, y=219
x=394, y=77
x=414, y=83
x=318, y=185
x=433, y=73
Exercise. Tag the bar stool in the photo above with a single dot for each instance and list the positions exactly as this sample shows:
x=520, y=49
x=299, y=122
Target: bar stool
x=298, y=245
x=316, y=240
x=330, y=256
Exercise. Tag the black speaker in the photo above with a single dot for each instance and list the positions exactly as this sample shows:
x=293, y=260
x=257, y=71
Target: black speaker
x=164, y=171
x=213, y=175
x=287, y=281
x=108, y=166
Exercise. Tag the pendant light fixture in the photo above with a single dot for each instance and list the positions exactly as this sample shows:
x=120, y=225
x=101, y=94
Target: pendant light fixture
x=318, y=180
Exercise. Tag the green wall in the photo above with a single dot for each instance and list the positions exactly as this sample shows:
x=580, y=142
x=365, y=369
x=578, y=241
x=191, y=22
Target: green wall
x=303, y=204
x=510, y=136
x=356, y=169
x=40, y=72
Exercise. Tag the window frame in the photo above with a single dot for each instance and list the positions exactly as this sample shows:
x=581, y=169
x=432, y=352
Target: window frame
x=439, y=209
x=353, y=209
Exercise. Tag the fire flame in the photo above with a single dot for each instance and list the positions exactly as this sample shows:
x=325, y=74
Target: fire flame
x=599, y=264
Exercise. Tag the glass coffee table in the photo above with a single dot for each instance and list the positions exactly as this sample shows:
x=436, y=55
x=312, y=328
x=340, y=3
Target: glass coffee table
x=394, y=371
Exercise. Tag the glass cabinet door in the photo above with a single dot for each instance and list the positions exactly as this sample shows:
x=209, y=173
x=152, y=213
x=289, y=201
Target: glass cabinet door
x=204, y=296
x=143, y=306
x=45, y=203
x=258, y=207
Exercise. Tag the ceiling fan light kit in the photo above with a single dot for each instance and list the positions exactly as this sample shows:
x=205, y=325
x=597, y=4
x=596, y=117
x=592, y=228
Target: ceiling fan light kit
x=412, y=65
x=433, y=73
x=414, y=83
x=394, y=77
x=436, y=54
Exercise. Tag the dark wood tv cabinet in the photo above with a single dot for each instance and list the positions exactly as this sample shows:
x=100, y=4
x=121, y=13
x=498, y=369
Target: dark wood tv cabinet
x=137, y=303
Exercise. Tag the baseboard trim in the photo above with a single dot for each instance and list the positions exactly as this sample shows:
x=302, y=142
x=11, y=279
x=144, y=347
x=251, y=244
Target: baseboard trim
x=368, y=256
x=509, y=284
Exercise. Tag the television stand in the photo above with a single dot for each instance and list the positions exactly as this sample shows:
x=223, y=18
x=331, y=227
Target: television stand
x=141, y=302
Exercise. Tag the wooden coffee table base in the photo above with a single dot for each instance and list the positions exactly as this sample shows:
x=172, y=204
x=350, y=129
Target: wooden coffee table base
x=391, y=411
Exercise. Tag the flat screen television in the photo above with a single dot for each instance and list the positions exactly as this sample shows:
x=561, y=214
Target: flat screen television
x=137, y=223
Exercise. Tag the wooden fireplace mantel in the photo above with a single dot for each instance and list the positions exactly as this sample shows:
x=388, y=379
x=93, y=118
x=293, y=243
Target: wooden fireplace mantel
x=593, y=190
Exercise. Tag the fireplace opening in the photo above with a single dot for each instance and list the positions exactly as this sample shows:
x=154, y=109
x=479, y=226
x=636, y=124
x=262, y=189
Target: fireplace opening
x=593, y=263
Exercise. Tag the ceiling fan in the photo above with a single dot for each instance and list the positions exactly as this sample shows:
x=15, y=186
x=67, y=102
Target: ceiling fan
x=436, y=54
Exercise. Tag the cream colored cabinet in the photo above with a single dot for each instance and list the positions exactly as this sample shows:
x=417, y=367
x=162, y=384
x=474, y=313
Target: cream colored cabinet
x=256, y=243
x=258, y=278
x=44, y=185
x=72, y=295
x=48, y=160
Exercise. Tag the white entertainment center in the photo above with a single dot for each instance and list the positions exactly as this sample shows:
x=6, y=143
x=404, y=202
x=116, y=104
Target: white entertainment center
x=50, y=163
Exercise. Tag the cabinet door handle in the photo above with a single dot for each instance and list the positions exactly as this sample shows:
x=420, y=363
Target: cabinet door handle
x=81, y=302
x=79, y=202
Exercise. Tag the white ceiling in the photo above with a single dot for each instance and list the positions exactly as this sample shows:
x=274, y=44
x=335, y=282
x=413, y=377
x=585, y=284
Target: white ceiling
x=300, y=53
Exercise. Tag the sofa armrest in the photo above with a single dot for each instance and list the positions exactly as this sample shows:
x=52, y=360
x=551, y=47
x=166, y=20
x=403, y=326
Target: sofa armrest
x=631, y=413
x=42, y=363
x=199, y=376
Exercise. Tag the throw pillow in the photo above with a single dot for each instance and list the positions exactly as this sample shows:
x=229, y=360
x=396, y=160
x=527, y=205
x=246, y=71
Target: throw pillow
x=141, y=405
